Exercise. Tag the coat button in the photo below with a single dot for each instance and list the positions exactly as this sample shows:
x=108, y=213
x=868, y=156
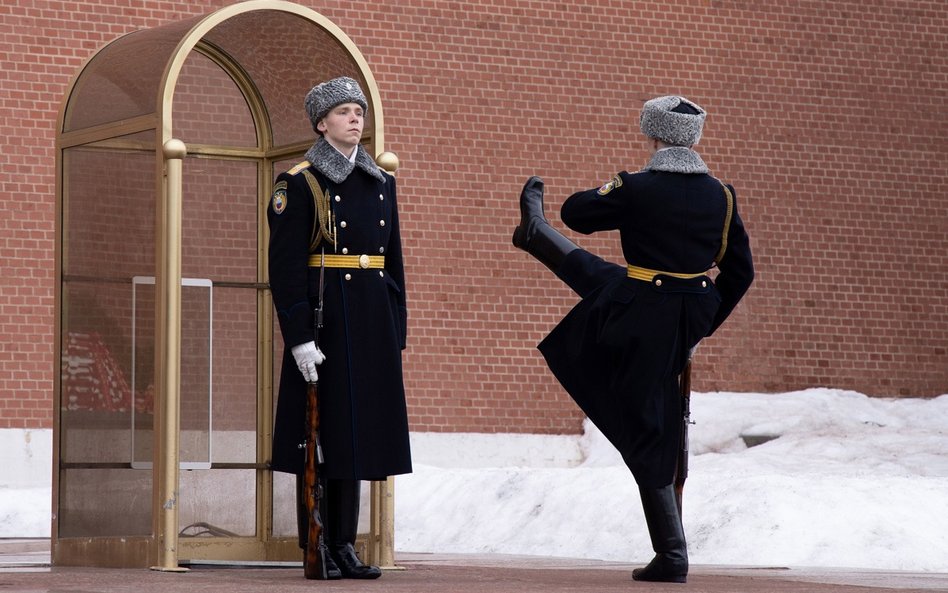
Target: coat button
x=345, y=250
x=704, y=284
x=348, y=276
x=381, y=274
x=381, y=223
x=343, y=224
x=381, y=197
x=381, y=250
x=658, y=282
x=338, y=198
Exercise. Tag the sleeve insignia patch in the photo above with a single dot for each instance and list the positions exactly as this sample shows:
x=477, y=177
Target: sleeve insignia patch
x=278, y=201
x=608, y=187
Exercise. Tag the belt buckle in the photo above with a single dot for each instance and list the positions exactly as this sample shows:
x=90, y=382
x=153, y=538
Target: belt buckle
x=364, y=261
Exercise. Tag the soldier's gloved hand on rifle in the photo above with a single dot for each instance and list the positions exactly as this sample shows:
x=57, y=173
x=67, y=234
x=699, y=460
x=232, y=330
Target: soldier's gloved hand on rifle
x=307, y=357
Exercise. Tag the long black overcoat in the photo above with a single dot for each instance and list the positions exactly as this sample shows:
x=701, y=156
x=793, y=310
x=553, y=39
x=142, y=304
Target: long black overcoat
x=620, y=351
x=364, y=422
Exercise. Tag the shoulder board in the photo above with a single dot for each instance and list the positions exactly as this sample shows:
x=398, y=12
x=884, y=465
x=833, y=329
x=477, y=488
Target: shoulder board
x=299, y=167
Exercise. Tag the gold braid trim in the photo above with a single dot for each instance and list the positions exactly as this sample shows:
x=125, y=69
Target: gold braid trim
x=324, y=224
x=727, y=222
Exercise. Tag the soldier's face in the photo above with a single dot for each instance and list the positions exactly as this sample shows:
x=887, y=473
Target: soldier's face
x=342, y=126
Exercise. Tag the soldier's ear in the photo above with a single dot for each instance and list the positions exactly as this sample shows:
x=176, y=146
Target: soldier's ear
x=321, y=125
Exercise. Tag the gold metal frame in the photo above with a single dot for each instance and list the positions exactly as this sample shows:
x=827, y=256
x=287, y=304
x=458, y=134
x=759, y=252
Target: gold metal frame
x=163, y=550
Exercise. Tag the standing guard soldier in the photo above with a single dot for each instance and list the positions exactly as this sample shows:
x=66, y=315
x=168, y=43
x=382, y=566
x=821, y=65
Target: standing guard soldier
x=620, y=351
x=338, y=209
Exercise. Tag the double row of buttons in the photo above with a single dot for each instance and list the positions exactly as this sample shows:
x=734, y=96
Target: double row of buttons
x=345, y=250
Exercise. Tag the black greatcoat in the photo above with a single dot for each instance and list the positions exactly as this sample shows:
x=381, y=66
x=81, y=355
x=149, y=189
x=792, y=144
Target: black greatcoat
x=620, y=351
x=364, y=422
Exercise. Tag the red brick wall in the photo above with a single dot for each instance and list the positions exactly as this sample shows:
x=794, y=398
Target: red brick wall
x=827, y=117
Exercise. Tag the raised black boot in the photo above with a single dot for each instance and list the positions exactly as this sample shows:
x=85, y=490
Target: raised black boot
x=332, y=571
x=534, y=234
x=670, y=564
x=344, y=497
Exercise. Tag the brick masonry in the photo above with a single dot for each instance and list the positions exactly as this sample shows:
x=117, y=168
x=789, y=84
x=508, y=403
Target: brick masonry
x=827, y=118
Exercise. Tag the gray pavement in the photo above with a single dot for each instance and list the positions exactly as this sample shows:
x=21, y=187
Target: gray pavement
x=24, y=567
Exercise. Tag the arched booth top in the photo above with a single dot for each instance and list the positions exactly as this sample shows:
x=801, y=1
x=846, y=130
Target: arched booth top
x=275, y=50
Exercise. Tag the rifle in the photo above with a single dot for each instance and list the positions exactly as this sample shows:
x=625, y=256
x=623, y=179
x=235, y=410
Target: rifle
x=314, y=560
x=681, y=472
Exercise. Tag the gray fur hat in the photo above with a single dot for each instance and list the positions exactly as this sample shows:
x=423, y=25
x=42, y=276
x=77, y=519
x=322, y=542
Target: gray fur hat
x=673, y=120
x=326, y=95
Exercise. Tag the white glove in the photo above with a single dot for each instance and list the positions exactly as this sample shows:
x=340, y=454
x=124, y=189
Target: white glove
x=307, y=357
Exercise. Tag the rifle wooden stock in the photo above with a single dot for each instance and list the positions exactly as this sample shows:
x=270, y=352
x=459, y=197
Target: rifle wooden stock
x=681, y=471
x=314, y=560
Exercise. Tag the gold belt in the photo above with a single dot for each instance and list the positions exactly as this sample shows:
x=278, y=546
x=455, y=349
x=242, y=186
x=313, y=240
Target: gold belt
x=649, y=275
x=348, y=261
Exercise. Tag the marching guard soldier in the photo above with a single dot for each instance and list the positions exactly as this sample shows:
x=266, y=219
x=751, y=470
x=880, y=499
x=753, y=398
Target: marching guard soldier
x=337, y=210
x=620, y=351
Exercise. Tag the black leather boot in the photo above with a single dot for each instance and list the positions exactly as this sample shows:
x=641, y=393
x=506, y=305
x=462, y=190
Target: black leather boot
x=670, y=564
x=534, y=234
x=344, y=496
x=332, y=571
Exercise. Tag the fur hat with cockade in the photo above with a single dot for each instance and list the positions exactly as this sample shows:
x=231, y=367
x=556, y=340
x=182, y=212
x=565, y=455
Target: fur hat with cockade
x=326, y=95
x=673, y=120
